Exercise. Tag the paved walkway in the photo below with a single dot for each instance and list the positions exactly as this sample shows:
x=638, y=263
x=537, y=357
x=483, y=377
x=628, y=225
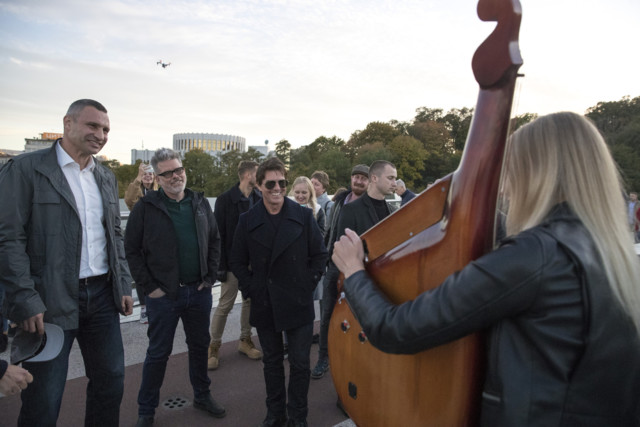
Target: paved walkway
x=238, y=384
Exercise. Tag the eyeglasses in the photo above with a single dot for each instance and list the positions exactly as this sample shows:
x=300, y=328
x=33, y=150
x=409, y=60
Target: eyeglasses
x=169, y=174
x=270, y=185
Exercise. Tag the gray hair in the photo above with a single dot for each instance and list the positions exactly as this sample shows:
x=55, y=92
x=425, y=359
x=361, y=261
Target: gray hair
x=400, y=183
x=77, y=106
x=162, y=155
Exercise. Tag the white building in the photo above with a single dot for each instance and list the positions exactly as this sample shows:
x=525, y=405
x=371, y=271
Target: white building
x=144, y=155
x=46, y=140
x=210, y=143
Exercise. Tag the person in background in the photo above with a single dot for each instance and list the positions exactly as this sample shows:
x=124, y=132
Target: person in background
x=560, y=298
x=320, y=181
x=359, y=184
x=173, y=249
x=403, y=192
x=372, y=207
x=62, y=261
x=278, y=256
x=144, y=182
x=229, y=206
x=303, y=192
x=337, y=195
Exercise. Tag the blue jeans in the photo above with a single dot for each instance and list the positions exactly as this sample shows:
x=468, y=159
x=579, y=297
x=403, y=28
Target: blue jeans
x=194, y=308
x=299, y=344
x=100, y=341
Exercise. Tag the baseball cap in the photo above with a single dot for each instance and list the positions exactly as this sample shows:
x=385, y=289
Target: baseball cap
x=361, y=169
x=33, y=347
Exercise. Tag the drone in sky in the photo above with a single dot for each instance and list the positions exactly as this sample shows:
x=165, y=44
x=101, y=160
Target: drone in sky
x=164, y=64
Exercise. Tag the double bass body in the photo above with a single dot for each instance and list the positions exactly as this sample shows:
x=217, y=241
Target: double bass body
x=415, y=249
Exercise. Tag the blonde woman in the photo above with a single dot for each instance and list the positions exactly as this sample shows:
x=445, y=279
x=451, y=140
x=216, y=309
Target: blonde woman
x=560, y=297
x=302, y=191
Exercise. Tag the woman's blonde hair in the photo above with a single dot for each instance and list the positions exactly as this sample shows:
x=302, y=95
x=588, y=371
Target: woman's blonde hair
x=562, y=157
x=313, y=201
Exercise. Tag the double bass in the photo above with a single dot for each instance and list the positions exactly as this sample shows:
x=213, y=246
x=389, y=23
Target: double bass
x=444, y=228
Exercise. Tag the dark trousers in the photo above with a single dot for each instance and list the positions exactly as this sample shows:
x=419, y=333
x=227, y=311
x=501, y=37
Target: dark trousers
x=100, y=342
x=329, y=296
x=299, y=347
x=193, y=307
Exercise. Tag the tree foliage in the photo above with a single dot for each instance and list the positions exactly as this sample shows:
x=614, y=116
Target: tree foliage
x=125, y=174
x=423, y=149
x=283, y=151
x=619, y=123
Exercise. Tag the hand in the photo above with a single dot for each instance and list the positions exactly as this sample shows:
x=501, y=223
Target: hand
x=157, y=293
x=348, y=253
x=15, y=379
x=204, y=284
x=34, y=324
x=141, y=171
x=127, y=305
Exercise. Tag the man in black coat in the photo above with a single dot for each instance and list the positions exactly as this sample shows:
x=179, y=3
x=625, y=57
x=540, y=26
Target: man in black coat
x=372, y=207
x=173, y=250
x=278, y=256
x=359, y=184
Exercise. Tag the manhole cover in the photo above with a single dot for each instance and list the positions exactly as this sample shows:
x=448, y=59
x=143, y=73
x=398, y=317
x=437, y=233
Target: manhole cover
x=177, y=402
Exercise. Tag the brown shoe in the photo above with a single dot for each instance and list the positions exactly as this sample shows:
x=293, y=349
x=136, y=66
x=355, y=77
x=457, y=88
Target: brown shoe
x=212, y=363
x=246, y=346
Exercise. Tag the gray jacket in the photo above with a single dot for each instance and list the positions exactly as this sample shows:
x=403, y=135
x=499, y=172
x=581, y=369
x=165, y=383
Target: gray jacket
x=41, y=239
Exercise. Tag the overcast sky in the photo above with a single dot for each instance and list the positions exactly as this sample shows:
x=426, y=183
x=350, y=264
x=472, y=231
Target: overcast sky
x=291, y=69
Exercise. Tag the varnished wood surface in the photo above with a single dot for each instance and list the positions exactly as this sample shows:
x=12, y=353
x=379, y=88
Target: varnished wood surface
x=415, y=249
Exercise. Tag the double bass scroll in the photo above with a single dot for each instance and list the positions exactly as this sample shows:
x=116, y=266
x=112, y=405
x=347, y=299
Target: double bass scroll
x=440, y=231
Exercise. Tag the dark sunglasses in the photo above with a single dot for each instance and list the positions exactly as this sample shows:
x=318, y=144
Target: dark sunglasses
x=169, y=174
x=269, y=185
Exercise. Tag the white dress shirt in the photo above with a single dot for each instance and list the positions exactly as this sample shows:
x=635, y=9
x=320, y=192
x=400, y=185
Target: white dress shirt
x=93, y=259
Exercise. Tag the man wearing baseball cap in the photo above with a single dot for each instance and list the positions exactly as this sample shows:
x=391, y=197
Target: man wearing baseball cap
x=359, y=184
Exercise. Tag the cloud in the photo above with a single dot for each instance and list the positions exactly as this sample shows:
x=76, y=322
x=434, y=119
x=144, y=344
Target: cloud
x=290, y=69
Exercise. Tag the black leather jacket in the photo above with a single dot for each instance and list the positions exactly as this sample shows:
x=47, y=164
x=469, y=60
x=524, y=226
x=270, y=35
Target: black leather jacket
x=561, y=350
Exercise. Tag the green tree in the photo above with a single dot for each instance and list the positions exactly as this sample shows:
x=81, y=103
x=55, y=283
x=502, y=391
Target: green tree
x=457, y=122
x=433, y=135
x=424, y=114
x=337, y=166
x=199, y=167
x=125, y=174
x=522, y=119
x=283, y=151
x=375, y=132
x=226, y=169
x=409, y=156
x=369, y=153
x=611, y=117
x=619, y=123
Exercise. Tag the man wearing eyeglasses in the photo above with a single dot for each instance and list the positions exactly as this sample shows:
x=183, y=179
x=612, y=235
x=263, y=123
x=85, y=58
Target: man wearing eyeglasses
x=278, y=256
x=173, y=249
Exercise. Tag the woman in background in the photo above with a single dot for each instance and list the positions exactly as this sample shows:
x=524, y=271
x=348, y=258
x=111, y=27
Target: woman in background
x=302, y=192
